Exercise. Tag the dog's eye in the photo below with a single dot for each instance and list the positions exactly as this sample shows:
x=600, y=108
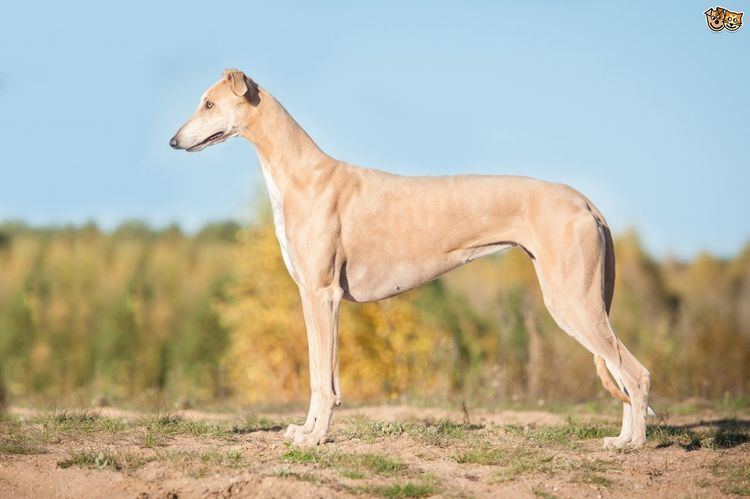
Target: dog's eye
x=209, y=104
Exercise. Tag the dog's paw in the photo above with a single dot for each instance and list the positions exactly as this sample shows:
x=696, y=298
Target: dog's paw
x=615, y=442
x=292, y=430
x=637, y=443
x=309, y=439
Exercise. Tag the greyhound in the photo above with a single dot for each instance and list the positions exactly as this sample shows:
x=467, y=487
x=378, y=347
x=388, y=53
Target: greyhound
x=364, y=235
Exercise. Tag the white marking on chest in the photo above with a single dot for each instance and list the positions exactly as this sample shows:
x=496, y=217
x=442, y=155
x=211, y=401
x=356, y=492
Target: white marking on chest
x=277, y=207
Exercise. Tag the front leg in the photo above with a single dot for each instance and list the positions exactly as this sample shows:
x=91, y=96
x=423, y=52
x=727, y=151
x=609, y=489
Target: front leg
x=323, y=314
x=293, y=429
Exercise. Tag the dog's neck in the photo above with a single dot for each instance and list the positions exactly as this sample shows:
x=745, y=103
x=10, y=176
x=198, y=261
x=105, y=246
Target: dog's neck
x=285, y=150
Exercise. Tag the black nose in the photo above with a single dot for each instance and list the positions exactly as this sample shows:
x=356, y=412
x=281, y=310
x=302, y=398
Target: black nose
x=174, y=143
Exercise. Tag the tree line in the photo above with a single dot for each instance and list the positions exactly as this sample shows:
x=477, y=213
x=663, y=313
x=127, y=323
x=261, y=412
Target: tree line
x=139, y=314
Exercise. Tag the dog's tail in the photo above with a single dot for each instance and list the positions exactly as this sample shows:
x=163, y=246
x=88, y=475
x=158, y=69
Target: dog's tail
x=608, y=290
x=609, y=385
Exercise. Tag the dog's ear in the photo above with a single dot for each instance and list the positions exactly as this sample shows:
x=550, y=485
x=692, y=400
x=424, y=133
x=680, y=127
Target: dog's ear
x=236, y=79
x=242, y=85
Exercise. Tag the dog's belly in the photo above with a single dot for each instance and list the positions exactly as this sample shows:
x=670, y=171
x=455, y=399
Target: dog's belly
x=364, y=283
x=374, y=278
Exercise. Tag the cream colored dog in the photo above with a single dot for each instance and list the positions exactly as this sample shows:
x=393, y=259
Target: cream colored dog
x=364, y=235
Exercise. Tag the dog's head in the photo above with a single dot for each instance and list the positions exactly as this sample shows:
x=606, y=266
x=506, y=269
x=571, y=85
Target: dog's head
x=223, y=111
x=715, y=18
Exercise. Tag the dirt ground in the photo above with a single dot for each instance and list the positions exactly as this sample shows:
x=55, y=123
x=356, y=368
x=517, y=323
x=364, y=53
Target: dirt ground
x=382, y=451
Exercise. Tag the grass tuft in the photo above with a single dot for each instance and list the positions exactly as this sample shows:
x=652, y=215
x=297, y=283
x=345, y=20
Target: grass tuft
x=90, y=460
x=300, y=456
x=19, y=446
x=370, y=430
x=526, y=460
x=594, y=479
x=157, y=428
x=18, y=438
x=441, y=433
x=408, y=489
x=350, y=465
x=305, y=477
x=377, y=463
x=540, y=492
x=68, y=421
x=568, y=435
x=87, y=421
x=104, y=460
x=256, y=423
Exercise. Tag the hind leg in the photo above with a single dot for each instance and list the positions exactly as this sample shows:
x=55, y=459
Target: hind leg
x=595, y=334
x=638, y=382
x=576, y=292
x=626, y=430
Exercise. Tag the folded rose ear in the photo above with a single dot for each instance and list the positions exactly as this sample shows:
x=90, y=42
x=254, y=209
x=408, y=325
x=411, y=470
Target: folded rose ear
x=242, y=85
x=236, y=79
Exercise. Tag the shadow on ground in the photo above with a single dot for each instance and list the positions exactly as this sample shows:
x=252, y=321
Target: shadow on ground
x=713, y=433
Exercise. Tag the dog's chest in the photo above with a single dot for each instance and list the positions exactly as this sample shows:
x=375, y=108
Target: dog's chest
x=277, y=207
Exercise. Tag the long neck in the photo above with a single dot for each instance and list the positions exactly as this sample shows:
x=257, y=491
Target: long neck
x=286, y=151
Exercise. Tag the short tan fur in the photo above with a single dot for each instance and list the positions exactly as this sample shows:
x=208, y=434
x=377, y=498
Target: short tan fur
x=361, y=234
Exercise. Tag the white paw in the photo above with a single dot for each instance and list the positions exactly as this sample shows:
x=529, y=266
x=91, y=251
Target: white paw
x=637, y=443
x=309, y=439
x=615, y=442
x=292, y=430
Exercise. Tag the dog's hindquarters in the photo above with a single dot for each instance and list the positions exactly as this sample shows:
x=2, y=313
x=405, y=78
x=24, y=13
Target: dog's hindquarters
x=577, y=286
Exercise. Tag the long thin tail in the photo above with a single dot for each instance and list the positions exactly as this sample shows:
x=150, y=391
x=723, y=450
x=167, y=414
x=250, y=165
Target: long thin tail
x=609, y=385
x=608, y=291
x=612, y=388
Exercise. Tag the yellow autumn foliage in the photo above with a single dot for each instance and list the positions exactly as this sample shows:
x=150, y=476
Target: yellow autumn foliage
x=386, y=350
x=156, y=315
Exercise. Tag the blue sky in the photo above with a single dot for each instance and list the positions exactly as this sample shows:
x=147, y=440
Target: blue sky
x=645, y=112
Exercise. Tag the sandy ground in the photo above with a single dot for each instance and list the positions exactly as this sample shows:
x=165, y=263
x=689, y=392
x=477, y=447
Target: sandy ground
x=374, y=451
